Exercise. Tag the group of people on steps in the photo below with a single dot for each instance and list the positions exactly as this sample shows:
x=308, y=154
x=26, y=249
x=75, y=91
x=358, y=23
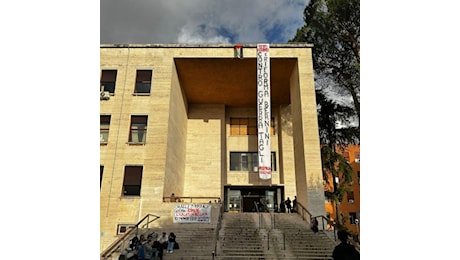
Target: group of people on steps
x=153, y=247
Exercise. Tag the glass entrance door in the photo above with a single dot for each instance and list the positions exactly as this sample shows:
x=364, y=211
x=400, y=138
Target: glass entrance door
x=270, y=200
x=234, y=201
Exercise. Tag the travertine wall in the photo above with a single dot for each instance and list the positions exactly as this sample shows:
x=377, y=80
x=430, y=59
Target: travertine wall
x=309, y=179
x=205, y=150
x=176, y=142
x=286, y=152
x=187, y=145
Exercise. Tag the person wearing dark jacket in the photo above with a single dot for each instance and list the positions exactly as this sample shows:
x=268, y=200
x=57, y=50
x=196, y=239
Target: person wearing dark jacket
x=158, y=250
x=314, y=225
x=171, y=241
x=344, y=250
x=148, y=248
x=288, y=205
x=294, y=204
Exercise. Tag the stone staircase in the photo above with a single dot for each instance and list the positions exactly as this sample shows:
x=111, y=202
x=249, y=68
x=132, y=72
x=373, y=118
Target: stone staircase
x=271, y=236
x=240, y=237
x=299, y=241
x=245, y=236
x=196, y=242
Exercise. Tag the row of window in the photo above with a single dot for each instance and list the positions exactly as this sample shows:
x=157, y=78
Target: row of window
x=346, y=156
x=248, y=161
x=138, y=128
x=239, y=161
x=247, y=126
x=132, y=180
x=142, y=85
x=352, y=217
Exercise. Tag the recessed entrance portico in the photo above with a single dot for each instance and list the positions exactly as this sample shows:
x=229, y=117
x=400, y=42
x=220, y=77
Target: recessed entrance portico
x=247, y=198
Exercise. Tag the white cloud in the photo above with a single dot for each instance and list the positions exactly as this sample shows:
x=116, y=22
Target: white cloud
x=194, y=34
x=172, y=21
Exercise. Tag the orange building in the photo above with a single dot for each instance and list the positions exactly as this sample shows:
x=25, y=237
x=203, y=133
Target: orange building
x=349, y=208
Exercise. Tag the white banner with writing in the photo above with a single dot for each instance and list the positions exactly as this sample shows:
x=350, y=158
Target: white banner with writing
x=192, y=213
x=263, y=110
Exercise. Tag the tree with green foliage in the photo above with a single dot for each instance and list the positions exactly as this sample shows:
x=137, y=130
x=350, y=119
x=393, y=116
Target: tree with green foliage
x=330, y=113
x=333, y=138
x=333, y=27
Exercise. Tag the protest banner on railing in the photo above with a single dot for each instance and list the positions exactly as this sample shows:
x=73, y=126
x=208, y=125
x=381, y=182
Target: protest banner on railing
x=192, y=213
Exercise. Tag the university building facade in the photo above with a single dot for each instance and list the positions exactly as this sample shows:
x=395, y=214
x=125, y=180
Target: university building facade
x=182, y=119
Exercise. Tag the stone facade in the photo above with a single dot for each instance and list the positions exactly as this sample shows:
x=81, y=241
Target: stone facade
x=188, y=142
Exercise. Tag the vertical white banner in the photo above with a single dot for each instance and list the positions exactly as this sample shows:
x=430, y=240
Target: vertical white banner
x=263, y=111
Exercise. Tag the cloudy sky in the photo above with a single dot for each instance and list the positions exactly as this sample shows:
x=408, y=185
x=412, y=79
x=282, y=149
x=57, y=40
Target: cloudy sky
x=200, y=21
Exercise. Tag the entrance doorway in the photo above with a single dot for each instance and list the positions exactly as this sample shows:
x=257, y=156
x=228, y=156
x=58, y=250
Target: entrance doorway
x=252, y=198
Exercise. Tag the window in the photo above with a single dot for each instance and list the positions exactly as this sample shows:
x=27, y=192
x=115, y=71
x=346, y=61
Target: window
x=102, y=171
x=122, y=228
x=108, y=79
x=247, y=126
x=357, y=158
x=138, y=129
x=352, y=218
x=248, y=161
x=132, y=181
x=351, y=197
x=358, y=173
x=346, y=155
x=143, y=82
x=105, y=126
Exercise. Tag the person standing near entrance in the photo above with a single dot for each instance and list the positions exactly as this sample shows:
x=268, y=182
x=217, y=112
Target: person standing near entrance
x=294, y=204
x=288, y=205
x=282, y=206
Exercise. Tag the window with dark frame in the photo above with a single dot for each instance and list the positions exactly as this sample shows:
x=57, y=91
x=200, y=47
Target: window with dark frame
x=105, y=127
x=357, y=158
x=352, y=218
x=132, y=181
x=138, y=129
x=248, y=161
x=143, y=81
x=102, y=172
x=351, y=197
x=247, y=126
x=346, y=155
x=108, y=80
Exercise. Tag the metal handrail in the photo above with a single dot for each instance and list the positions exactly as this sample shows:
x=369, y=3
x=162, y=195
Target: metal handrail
x=120, y=241
x=260, y=215
x=324, y=218
x=182, y=199
x=310, y=216
x=271, y=213
x=304, y=210
x=218, y=227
